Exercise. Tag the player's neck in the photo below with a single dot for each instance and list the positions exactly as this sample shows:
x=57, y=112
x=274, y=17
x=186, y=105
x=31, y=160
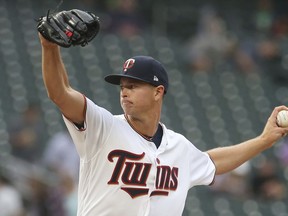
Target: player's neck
x=146, y=127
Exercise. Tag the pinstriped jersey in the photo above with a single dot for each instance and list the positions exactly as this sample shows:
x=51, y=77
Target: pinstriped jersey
x=122, y=173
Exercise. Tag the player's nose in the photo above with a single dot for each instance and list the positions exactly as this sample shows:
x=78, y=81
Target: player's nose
x=123, y=92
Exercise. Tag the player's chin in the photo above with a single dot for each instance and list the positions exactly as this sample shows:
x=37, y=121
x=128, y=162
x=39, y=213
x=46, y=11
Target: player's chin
x=127, y=109
x=126, y=105
x=130, y=112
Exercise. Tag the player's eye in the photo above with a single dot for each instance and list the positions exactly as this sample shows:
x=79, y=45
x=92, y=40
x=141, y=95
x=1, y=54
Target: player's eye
x=128, y=86
x=132, y=86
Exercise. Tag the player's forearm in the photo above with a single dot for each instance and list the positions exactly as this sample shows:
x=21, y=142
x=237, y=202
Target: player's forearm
x=54, y=73
x=228, y=158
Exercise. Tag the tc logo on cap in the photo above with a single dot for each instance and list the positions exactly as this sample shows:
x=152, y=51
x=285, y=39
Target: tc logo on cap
x=128, y=64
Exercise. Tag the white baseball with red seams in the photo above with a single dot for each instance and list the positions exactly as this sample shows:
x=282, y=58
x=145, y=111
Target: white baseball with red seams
x=282, y=118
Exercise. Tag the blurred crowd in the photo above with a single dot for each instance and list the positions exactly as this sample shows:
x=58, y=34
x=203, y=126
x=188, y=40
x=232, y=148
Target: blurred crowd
x=50, y=170
x=260, y=50
x=215, y=42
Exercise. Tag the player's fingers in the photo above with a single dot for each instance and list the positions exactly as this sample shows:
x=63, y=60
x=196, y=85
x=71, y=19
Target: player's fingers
x=284, y=131
x=277, y=110
x=280, y=108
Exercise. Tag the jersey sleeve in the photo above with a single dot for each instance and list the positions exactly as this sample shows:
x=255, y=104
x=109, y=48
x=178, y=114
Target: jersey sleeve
x=201, y=167
x=89, y=139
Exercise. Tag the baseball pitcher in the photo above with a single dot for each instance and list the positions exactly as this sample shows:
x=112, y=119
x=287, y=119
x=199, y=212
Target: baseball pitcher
x=131, y=164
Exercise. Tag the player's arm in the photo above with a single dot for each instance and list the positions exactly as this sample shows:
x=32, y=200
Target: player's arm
x=230, y=157
x=70, y=102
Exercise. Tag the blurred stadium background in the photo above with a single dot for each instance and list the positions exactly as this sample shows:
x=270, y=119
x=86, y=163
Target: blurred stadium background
x=227, y=62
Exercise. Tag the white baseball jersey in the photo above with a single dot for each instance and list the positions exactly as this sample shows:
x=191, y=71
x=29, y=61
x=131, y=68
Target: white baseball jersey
x=122, y=173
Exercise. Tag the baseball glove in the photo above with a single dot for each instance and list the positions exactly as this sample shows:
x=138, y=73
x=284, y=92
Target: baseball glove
x=66, y=28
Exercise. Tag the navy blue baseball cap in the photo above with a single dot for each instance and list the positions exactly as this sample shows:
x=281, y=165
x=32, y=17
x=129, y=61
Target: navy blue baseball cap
x=143, y=68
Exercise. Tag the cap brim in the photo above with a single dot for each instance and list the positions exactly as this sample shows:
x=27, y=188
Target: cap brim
x=115, y=78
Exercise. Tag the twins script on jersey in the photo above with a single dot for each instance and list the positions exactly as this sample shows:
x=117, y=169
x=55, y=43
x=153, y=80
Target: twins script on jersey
x=134, y=174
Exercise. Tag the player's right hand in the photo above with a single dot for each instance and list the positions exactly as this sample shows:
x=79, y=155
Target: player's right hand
x=272, y=132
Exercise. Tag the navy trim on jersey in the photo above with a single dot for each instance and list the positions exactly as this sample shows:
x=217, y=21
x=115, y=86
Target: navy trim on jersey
x=157, y=138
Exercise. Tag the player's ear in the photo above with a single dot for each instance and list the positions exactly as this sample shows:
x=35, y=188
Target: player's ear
x=159, y=91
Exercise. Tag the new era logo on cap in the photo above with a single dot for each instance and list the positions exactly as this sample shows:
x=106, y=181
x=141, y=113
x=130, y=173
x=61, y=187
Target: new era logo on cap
x=143, y=68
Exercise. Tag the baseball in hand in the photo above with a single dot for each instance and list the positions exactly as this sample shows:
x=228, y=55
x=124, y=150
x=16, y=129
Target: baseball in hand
x=282, y=118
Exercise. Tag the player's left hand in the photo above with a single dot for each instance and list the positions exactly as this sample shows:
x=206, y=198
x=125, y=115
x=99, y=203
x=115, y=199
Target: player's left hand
x=66, y=28
x=272, y=132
